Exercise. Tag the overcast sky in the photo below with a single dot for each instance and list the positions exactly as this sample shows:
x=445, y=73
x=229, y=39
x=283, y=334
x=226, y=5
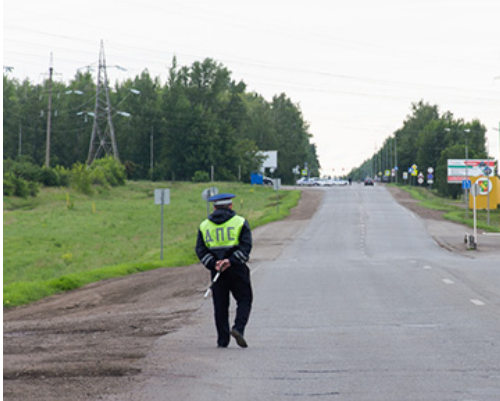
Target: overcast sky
x=354, y=67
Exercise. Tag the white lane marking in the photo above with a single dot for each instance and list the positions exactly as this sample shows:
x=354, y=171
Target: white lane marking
x=477, y=302
x=448, y=281
x=427, y=267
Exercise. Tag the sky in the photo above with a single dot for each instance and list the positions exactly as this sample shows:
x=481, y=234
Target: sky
x=353, y=67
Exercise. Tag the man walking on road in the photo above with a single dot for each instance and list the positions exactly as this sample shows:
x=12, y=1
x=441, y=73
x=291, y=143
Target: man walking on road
x=223, y=245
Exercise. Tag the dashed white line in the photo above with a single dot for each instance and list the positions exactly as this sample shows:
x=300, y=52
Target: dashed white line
x=448, y=281
x=477, y=302
x=428, y=267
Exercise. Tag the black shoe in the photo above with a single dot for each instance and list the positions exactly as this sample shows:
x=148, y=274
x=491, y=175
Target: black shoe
x=221, y=346
x=240, y=340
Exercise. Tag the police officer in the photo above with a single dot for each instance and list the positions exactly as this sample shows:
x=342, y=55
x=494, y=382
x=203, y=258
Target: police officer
x=224, y=243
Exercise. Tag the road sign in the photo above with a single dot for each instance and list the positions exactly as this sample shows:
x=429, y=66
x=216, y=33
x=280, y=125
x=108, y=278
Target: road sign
x=162, y=196
x=277, y=183
x=430, y=181
x=430, y=176
x=466, y=184
x=430, y=170
x=474, y=190
x=209, y=192
x=420, y=180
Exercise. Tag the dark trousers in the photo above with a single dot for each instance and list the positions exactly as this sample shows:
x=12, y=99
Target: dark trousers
x=236, y=281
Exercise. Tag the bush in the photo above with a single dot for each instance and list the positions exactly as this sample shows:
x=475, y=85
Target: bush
x=112, y=169
x=24, y=169
x=8, y=187
x=16, y=186
x=48, y=177
x=200, y=176
x=81, y=178
x=99, y=177
x=33, y=188
x=64, y=176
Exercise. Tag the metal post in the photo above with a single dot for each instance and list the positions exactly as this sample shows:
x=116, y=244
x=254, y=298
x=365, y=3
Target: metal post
x=466, y=178
x=49, y=115
x=396, y=157
x=488, y=218
x=475, y=218
x=151, y=154
x=162, y=203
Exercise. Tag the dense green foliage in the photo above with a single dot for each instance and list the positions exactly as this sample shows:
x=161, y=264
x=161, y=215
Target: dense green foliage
x=428, y=139
x=64, y=239
x=22, y=177
x=199, y=118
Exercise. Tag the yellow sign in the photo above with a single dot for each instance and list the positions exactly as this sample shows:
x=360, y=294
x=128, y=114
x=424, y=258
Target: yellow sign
x=482, y=197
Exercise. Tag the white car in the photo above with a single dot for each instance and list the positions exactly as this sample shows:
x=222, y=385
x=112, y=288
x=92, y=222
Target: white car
x=339, y=183
x=307, y=182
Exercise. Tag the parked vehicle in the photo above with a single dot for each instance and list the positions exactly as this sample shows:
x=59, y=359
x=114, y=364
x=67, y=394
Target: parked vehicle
x=369, y=181
x=267, y=181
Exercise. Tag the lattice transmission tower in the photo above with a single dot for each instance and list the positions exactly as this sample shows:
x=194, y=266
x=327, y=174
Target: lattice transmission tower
x=103, y=140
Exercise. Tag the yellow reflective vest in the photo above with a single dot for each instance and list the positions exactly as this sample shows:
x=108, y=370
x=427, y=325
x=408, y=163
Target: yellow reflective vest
x=225, y=235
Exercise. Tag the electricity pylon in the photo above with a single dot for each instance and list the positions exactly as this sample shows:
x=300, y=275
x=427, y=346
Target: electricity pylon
x=103, y=139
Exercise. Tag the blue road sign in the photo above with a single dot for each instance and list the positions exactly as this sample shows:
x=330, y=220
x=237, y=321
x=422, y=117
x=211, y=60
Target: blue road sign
x=430, y=176
x=466, y=184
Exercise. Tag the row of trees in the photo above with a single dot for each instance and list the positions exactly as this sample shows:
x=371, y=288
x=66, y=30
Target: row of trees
x=198, y=119
x=428, y=139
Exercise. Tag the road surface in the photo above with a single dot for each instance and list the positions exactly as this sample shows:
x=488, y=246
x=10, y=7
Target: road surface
x=361, y=304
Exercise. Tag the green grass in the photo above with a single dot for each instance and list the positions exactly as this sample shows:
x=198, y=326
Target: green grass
x=454, y=210
x=62, y=240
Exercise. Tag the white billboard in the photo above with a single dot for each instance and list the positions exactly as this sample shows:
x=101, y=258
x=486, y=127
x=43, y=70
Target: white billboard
x=459, y=169
x=270, y=159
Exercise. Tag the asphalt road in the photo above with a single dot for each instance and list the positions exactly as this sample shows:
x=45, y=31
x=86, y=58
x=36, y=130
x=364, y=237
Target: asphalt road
x=362, y=304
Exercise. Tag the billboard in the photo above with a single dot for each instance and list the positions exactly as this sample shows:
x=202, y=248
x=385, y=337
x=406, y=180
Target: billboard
x=459, y=169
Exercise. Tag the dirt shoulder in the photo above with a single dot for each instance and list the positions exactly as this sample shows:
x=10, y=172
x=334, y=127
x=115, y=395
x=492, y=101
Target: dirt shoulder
x=84, y=344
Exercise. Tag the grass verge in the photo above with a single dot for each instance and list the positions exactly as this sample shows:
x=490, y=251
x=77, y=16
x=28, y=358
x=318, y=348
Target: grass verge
x=63, y=240
x=454, y=210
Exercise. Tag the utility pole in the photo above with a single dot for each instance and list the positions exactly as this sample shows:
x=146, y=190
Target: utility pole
x=103, y=133
x=49, y=115
x=396, y=167
x=151, y=157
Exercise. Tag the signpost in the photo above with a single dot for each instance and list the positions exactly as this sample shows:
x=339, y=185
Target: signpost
x=474, y=192
x=162, y=197
x=207, y=194
x=277, y=186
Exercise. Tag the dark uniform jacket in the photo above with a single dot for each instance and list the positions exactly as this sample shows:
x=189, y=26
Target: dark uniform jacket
x=237, y=255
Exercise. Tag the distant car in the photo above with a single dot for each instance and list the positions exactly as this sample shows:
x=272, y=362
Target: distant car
x=369, y=181
x=339, y=183
x=267, y=181
x=306, y=182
